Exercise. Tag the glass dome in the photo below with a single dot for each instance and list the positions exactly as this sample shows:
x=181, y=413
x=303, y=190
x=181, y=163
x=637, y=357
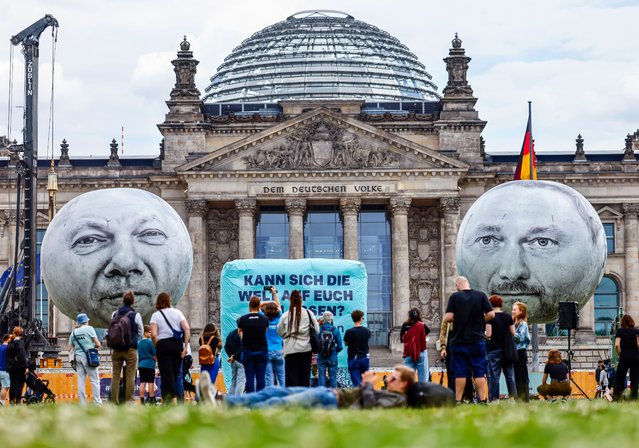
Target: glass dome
x=324, y=55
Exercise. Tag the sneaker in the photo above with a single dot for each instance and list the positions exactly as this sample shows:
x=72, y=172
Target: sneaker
x=205, y=390
x=608, y=397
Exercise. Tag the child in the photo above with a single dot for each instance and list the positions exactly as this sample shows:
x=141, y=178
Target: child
x=559, y=381
x=604, y=384
x=146, y=366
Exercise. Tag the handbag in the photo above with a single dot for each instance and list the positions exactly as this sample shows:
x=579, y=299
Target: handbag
x=93, y=356
x=510, y=348
x=316, y=344
x=178, y=335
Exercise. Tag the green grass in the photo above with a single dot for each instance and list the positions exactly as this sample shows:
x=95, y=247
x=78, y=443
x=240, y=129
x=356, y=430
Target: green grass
x=565, y=425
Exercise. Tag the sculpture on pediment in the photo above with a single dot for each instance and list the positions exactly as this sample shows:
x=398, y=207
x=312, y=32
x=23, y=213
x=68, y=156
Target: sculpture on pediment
x=321, y=144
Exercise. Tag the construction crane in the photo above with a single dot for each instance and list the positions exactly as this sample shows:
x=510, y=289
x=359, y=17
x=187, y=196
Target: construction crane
x=27, y=168
x=30, y=40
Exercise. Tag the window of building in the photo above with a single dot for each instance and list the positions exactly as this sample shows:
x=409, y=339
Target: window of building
x=375, y=252
x=323, y=232
x=606, y=305
x=42, y=295
x=271, y=233
x=610, y=237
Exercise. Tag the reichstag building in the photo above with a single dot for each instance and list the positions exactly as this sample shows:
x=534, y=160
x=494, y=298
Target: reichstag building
x=324, y=136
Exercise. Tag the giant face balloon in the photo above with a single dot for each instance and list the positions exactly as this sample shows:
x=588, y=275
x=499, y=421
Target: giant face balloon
x=106, y=242
x=537, y=242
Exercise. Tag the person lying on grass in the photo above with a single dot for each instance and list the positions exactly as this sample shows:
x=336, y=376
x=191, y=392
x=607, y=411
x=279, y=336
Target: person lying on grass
x=401, y=385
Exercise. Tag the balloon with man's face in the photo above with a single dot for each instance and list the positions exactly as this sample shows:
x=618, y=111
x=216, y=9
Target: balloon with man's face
x=106, y=242
x=537, y=242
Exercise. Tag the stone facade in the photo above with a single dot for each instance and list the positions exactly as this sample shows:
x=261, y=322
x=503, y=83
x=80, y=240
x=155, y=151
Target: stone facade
x=425, y=272
x=223, y=225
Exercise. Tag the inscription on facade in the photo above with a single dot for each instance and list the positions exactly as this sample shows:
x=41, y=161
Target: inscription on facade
x=301, y=190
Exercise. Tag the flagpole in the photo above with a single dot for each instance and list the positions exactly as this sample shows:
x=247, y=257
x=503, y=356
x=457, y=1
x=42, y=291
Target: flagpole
x=531, y=155
x=535, y=327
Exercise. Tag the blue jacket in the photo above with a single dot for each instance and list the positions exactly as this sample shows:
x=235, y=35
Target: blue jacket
x=332, y=358
x=522, y=336
x=3, y=358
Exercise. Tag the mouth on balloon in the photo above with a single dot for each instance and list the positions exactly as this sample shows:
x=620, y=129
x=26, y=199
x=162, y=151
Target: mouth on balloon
x=517, y=296
x=115, y=300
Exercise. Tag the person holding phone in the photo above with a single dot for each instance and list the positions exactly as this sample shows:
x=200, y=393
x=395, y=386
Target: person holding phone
x=275, y=365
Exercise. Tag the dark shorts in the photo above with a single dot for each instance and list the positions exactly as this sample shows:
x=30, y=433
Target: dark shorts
x=146, y=375
x=467, y=359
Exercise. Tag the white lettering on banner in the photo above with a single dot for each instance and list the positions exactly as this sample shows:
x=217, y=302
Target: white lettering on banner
x=320, y=189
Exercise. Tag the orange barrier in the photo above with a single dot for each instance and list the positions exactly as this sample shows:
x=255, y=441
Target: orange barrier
x=63, y=383
x=584, y=379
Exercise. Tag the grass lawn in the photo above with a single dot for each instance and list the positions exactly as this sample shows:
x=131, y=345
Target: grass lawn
x=566, y=425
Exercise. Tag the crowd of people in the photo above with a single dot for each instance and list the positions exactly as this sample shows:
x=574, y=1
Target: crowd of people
x=275, y=348
x=272, y=351
x=480, y=342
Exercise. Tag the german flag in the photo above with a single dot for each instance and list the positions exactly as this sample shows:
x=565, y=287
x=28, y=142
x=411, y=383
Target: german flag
x=527, y=165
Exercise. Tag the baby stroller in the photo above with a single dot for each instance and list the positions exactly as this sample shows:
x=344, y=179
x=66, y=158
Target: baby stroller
x=37, y=389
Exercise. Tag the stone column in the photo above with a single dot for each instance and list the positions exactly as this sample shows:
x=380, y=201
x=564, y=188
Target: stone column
x=449, y=208
x=401, y=293
x=195, y=300
x=246, y=210
x=296, y=209
x=62, y=326
x=350, y=210
x=631, y=259
x=586, y=332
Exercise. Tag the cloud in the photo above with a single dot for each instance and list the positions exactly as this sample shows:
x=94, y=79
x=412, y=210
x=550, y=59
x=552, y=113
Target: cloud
x=575, y=59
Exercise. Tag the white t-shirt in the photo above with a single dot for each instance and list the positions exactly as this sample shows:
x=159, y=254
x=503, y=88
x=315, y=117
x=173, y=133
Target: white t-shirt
x=174, y=316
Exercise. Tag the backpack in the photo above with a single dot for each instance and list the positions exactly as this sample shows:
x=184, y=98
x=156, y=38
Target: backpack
x=327, y=337
x=119, y=334
x=205, y=354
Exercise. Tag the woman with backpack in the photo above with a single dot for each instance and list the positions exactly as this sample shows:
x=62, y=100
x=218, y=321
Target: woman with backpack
x=294, y=327
x=170, y=333
x=327, y=357
x=208, y=355
x=413, y=335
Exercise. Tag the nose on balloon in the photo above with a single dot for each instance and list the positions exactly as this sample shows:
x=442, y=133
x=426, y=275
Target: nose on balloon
x=514, y=270
x=123, y=263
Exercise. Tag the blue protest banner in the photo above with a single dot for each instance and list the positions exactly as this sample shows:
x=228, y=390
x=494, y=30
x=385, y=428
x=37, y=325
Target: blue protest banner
x=338, y=286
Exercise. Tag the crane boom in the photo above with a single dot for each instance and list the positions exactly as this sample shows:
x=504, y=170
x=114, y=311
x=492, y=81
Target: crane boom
x=29, y=38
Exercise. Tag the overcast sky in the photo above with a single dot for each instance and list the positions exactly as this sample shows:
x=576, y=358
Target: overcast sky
x=577, y=60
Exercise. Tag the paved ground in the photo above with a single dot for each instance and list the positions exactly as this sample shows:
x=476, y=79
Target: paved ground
x=383, y=357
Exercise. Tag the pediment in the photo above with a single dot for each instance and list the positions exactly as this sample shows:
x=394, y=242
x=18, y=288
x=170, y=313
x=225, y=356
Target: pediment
x=608, y=213
x=322, y=140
